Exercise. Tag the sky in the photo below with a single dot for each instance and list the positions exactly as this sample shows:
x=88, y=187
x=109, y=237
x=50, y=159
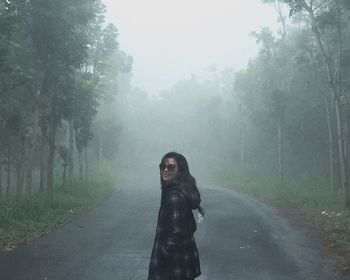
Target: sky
x=171, y=40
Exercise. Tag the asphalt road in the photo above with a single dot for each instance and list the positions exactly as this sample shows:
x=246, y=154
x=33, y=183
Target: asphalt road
x=239, y=239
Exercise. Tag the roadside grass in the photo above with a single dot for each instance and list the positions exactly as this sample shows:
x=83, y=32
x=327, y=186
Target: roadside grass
x=22, y=220
x=316, y=206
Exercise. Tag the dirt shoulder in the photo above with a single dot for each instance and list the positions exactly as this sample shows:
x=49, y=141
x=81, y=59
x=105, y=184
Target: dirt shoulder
x=314, y=229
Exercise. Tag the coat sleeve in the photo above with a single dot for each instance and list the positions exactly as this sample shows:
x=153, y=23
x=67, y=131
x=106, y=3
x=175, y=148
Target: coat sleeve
x=176, y=207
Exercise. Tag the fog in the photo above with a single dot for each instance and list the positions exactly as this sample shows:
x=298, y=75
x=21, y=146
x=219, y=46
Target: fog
x=181, y=93
x=254, y=93
x=191, y=118
x=170, y=40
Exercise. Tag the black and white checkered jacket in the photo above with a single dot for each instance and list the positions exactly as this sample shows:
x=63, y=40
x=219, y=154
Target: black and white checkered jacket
x=175, y=255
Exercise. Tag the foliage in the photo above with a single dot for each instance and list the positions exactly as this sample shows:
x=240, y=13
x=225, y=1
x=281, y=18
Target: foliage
x=55, y=71
x=314, y=203
x=22, y=220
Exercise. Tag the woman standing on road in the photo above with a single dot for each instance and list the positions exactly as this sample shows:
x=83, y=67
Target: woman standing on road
x=174, y=255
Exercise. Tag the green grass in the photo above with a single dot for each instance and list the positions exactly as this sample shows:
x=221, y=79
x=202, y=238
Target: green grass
x=23, y=220
x=318, y=206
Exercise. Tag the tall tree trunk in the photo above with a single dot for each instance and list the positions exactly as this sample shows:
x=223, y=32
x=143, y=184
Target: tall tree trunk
x=71, y=153
x=42, y=151
x=86, y=160
x=29, y=170
x=18, y=179
x=20, y=168
x=1, y=168
x=42, y=163
x=100, y=151
x=43, y=104
x=80, y=164
x=64, y=175
x=342, y=159
x=52, y=148
x=8, y=181
x=29, y=180
x=330, y=143
x=280, y=154
x=50, y=162
x=242, y=148
x=334, y=77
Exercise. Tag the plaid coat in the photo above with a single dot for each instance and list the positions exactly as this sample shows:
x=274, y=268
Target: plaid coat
x=174, y=255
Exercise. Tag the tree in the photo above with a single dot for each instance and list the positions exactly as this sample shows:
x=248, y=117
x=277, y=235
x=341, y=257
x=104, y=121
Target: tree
x=277, y=72
x=59, y=34
x=325, y=17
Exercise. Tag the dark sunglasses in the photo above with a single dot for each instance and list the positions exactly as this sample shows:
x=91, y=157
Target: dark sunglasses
x=169, y=167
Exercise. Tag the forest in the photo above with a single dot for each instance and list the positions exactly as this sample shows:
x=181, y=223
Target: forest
x=68, y=107
x=284, y=116
x=277, y=129
x=60, y=65
x=297, y=89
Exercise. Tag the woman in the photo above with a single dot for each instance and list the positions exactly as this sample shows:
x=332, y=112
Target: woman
x=174, y=255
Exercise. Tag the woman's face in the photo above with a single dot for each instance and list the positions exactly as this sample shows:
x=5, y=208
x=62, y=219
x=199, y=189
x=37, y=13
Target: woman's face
x=168, y=170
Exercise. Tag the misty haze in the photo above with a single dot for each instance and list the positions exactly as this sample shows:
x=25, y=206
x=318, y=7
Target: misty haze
x=250, y=97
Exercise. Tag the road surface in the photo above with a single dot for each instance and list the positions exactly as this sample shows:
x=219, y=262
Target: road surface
x=239, y=239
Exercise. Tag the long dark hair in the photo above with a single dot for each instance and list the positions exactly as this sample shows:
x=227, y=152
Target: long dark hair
x=184, y=176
